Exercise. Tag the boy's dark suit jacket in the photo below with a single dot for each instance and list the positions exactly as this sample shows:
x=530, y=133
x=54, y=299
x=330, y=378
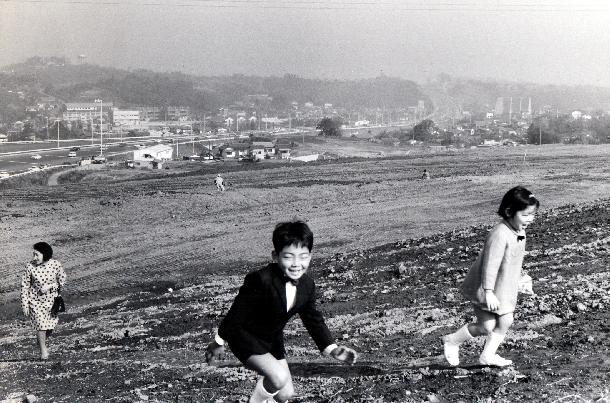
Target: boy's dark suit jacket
x=258, y=315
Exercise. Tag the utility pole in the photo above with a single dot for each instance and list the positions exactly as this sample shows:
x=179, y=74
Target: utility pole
x=57, y=133
x=47, y=128
x=101, y=122
x=91, y=129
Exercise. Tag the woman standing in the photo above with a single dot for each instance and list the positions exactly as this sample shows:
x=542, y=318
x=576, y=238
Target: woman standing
x=41, y=282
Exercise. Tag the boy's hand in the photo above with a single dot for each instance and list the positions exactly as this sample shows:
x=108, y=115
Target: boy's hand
x=345, y=354
x=491, y=300
x=213, y=353
x=26, y=313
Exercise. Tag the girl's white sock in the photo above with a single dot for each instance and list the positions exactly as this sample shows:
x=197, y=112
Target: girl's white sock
x=459, y=336
x=491, y=346
x=260, y=395
x=451, y=344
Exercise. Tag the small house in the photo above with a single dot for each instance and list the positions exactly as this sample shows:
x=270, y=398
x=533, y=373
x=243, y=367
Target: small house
x=257, y=152
x=283, y=153
x=235, y=150
x=267, y=146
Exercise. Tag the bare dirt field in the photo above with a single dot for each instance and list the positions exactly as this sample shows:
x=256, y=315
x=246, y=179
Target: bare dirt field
x=126, y=236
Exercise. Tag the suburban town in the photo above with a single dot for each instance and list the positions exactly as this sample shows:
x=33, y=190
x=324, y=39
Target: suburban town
x=254, y=127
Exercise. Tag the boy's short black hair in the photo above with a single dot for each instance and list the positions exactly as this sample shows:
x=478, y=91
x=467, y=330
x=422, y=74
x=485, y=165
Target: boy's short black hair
x=516, y=199
x=292, y=233
x=45, y=249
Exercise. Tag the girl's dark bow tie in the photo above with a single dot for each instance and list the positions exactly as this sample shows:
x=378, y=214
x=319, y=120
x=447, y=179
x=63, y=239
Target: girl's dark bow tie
x=520, y=237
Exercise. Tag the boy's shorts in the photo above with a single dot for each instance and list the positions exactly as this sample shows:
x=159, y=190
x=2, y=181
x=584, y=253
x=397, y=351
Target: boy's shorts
x=243, y=353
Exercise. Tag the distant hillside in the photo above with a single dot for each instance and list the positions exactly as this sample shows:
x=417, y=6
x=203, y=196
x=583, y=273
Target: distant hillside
x=451, y=94
x=84, y=82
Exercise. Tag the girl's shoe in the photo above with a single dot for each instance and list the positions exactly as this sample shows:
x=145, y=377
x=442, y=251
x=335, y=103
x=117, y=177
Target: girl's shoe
x=495, y=361
x=451, y=351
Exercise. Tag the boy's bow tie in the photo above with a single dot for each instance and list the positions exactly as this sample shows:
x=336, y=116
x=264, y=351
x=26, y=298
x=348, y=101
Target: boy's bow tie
x=289, y=280
x=520, y=237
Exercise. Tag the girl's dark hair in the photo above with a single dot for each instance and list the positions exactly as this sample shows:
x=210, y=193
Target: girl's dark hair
x=45, y=249
x=516, y=199
x=292, y=233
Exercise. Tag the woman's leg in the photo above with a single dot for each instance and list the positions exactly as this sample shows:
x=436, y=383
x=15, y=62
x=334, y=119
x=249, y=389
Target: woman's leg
x=41, y=335
x=276, y=376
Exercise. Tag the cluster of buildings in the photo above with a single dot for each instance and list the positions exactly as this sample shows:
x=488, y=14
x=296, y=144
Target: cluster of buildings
x=133, y=118
x=155, y=156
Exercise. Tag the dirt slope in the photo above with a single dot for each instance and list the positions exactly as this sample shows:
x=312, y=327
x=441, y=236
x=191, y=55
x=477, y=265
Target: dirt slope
x=126, y=237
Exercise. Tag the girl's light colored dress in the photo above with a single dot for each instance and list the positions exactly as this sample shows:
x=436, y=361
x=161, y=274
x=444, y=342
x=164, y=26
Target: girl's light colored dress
x=39, y=303
x=498, y=267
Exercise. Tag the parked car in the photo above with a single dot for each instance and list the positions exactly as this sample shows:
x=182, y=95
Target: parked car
x=99, y=159
x=75, y=149
x=4, y=174
x=72, y=154
x=36, y=157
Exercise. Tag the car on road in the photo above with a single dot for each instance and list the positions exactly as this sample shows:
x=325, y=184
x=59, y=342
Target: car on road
x=99, y=159
x=72, y=154
x=75, y=149
x=36, y=157
x=4, y=174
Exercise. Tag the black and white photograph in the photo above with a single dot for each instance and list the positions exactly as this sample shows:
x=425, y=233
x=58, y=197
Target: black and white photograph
x=309, y=201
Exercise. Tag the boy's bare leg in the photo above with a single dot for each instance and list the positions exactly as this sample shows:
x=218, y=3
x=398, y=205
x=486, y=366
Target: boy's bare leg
x=276, y=376
x=287, y=392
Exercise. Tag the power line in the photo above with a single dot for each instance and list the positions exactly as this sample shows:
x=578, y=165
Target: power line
x=325, y=5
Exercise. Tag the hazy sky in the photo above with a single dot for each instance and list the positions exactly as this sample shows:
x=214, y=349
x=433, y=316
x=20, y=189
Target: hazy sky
x=542, y=41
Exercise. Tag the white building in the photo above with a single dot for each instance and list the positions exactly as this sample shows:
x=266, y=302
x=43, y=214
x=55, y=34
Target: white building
x=127, y=119
x=159, y=152
x=86, y=111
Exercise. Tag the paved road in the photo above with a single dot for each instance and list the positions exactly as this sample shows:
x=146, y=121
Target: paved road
x=17, y=157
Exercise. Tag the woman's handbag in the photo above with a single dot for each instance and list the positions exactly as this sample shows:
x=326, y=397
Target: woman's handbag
x=58, y=306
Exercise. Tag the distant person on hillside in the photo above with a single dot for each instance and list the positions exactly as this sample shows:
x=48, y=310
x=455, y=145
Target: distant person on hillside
x=426, y=174
x=254, y=326
x=493, y=282
x=42, y=281
x=220, y=183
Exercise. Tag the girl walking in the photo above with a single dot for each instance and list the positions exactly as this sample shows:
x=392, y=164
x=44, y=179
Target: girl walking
x=41, y=282
x=493, y=281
